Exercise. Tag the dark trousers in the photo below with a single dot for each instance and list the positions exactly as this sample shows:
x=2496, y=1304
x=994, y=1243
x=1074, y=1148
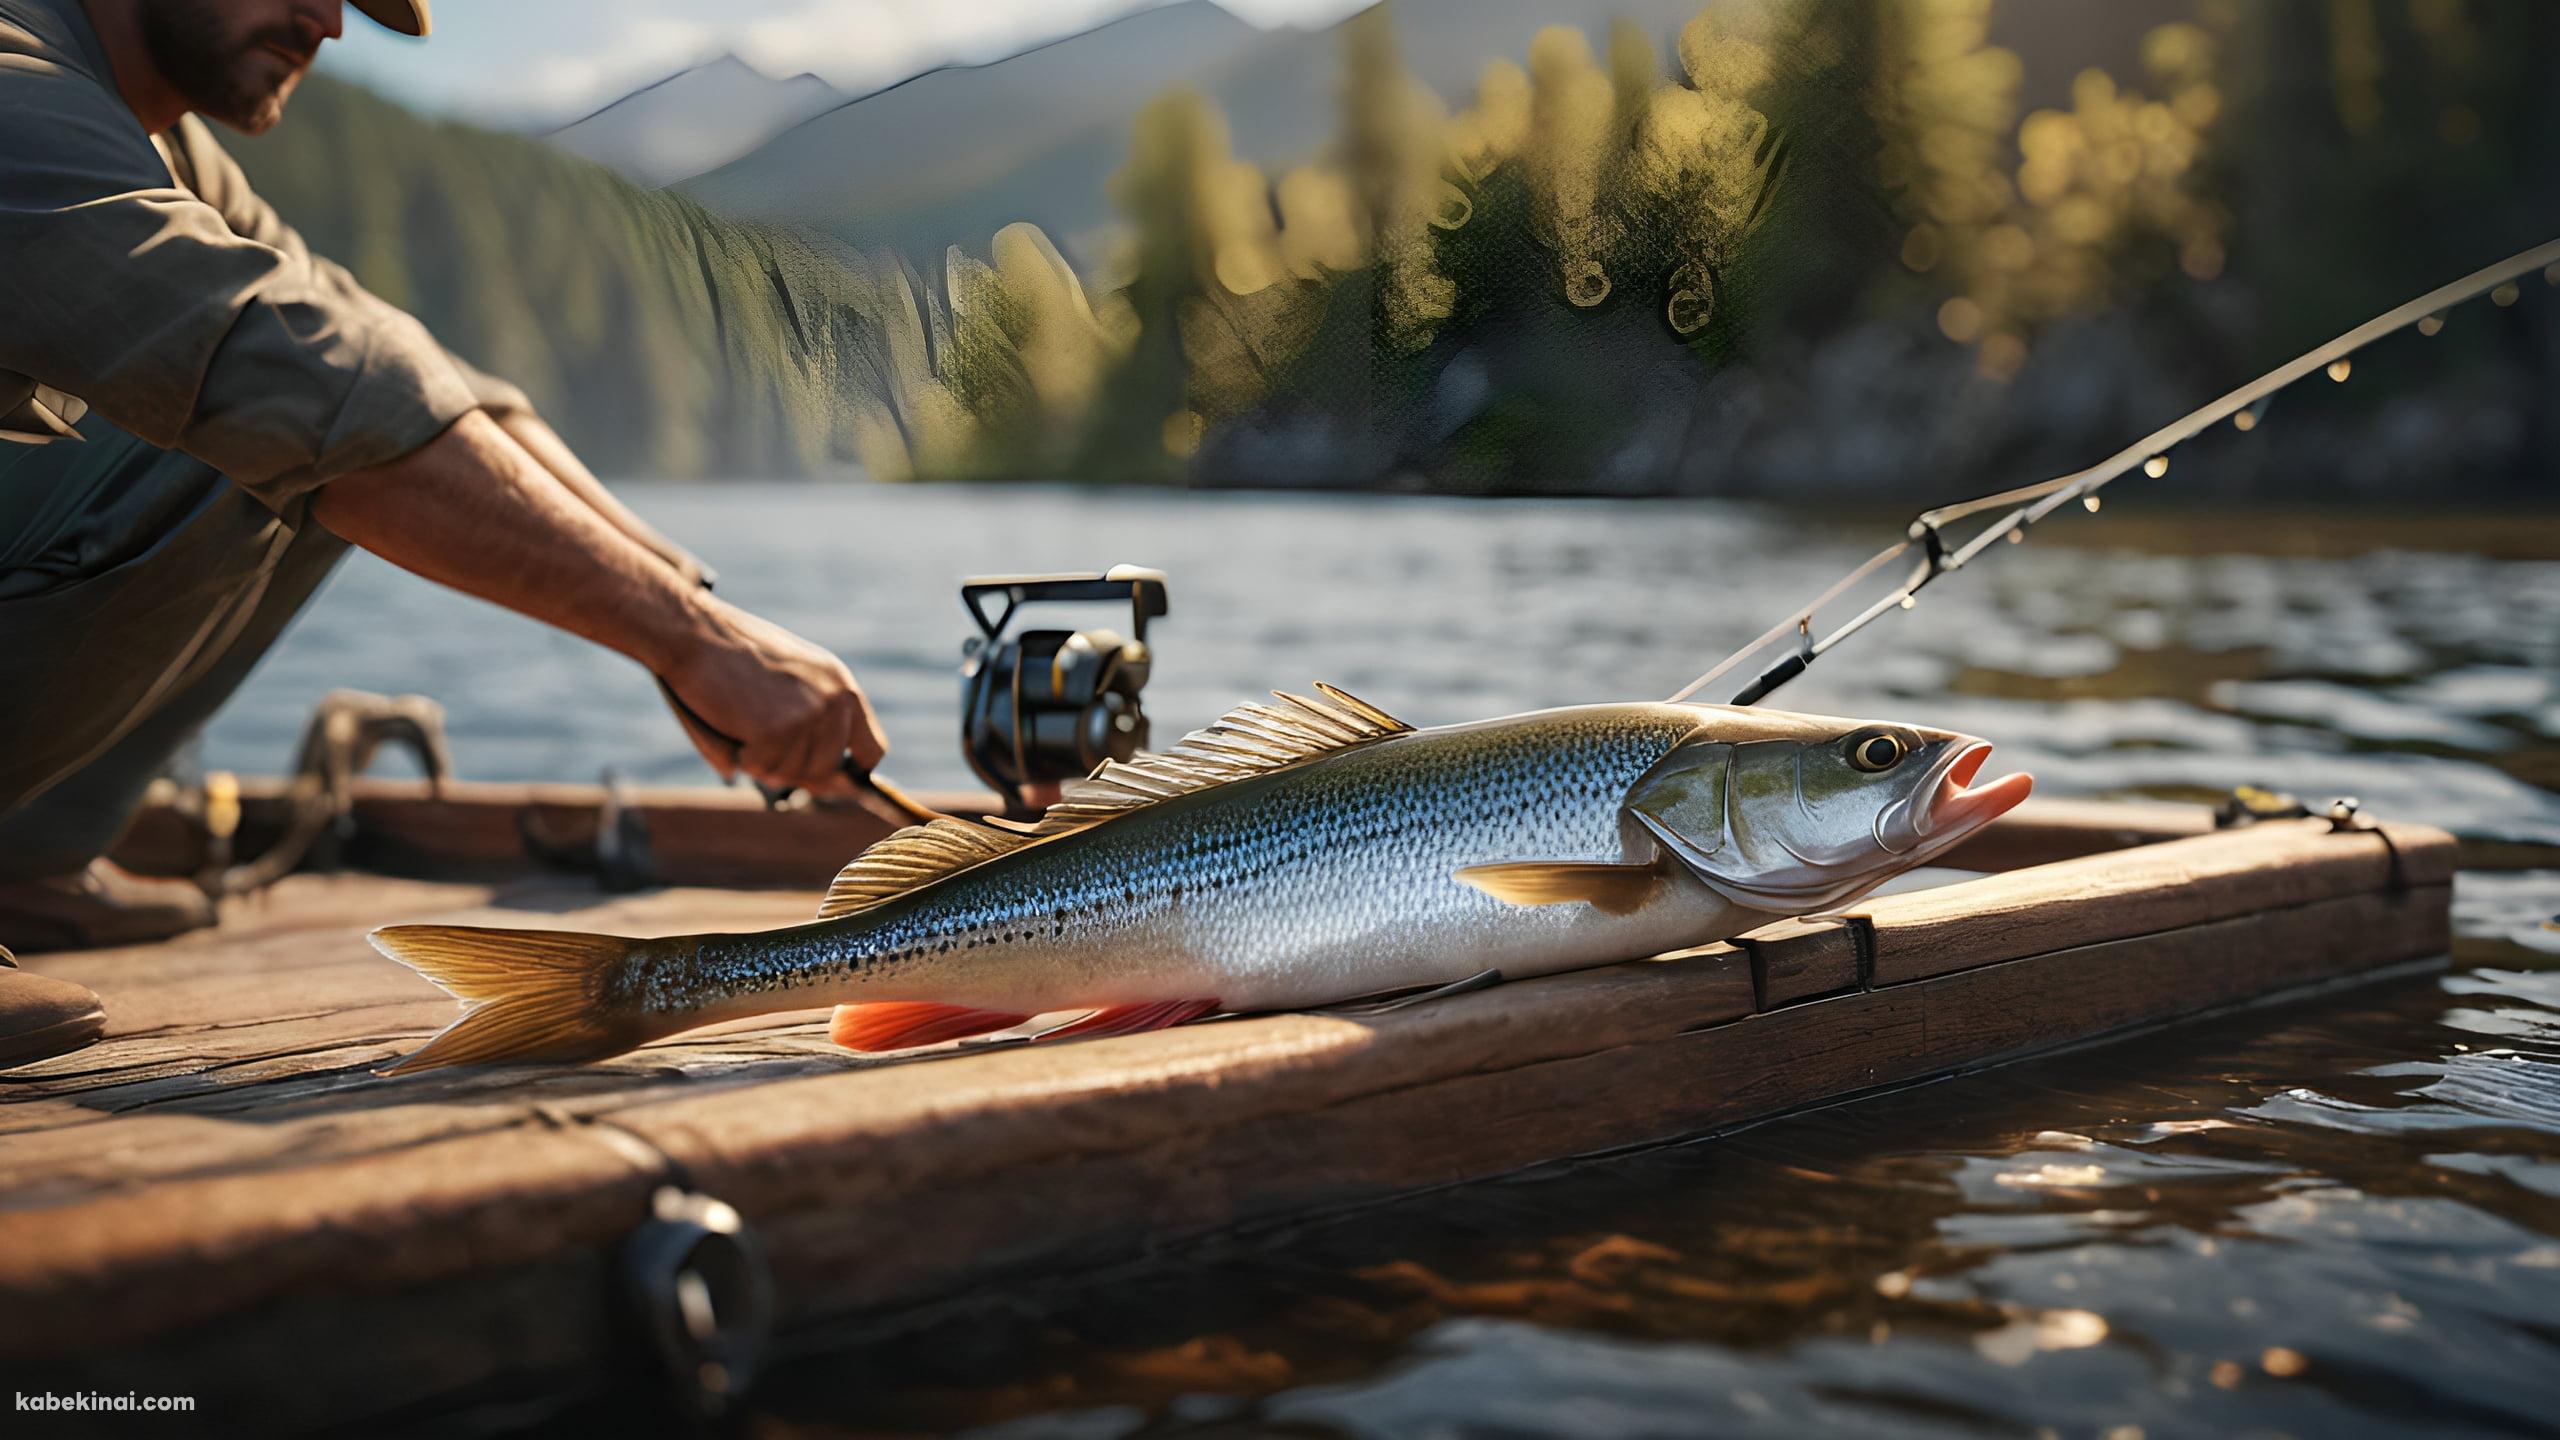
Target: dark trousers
x=138, y=588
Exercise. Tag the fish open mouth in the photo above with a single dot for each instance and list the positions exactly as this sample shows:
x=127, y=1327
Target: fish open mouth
x=1957, y=807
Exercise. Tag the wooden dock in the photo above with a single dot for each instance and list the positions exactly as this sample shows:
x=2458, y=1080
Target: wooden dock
x=221, y=1198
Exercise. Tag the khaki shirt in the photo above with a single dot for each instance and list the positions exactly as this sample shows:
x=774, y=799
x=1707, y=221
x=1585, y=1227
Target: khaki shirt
x=140, y=276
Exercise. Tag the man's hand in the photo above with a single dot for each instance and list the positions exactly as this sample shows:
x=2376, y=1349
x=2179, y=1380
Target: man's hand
x=793, y=708
x=791, y=700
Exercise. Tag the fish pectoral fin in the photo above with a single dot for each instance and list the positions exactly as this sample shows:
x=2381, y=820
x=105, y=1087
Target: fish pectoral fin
x=904, y=1024
x=1132, y=1019
x=1616, y=889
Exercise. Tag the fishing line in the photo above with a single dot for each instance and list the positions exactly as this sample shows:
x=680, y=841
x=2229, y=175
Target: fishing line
x=2032, y=503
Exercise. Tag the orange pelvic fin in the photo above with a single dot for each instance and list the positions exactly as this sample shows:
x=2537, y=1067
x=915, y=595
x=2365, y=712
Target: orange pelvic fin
x=905, y=1024
x=1131, y=1019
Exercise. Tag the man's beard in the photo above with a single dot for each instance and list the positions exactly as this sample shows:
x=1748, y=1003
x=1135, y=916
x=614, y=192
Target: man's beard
x=211, y=67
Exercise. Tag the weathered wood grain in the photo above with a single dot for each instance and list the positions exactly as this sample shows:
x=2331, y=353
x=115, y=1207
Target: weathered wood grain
x=218, y=1240
x=911, y=1225
x=227, y=1153
x=2042, y=831
x=1799, y=959
x=695, y=835
x=2150, y=887
x=1199, y=1157
x=2158, y=886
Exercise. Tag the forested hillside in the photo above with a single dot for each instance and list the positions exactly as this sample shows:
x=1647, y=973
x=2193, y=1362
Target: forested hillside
x=1801, y=247
x=660, y=338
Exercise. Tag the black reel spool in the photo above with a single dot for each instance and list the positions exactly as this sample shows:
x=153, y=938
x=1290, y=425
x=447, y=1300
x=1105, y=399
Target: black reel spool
x=1054, y=704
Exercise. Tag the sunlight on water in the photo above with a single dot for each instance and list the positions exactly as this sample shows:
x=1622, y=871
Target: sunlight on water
x=2340, y=1216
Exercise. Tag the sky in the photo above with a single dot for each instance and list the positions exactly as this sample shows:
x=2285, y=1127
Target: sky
x=511, y=62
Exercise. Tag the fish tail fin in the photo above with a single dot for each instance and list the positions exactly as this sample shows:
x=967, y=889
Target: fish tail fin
x=534, y=994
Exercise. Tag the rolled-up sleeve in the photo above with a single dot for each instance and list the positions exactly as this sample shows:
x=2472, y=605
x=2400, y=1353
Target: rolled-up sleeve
x=123, y=288
x=496, y=396
x=217, y=177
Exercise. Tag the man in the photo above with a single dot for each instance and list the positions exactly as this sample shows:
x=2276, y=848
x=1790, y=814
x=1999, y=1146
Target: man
x=214, y=413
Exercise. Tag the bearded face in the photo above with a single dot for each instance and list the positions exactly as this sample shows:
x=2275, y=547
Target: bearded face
x=235, y=61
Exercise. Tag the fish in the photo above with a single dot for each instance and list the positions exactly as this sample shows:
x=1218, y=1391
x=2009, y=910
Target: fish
x=1293, y=855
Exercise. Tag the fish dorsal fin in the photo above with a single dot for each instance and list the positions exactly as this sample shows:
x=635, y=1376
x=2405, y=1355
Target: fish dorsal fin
x=915, y=856
x=1250, y=740
x=1247, y=741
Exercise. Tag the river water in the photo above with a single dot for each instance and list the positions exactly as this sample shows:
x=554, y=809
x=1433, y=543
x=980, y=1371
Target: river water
x=2336, y=1217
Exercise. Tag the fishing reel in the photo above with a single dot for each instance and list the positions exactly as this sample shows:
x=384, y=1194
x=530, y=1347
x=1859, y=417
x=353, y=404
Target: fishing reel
x=1048, y=705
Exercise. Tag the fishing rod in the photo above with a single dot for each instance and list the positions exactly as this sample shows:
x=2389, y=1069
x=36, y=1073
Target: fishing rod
x=2244, y=407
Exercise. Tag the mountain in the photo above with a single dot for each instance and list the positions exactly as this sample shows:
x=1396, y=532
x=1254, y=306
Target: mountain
x=694, y=120
x=962, y=145
x=955, y=154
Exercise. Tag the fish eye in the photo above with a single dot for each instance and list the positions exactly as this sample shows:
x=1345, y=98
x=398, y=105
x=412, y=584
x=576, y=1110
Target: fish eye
x=1879, y=751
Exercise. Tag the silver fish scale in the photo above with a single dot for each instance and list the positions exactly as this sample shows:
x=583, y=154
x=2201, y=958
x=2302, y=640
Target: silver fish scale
x=1324, y=881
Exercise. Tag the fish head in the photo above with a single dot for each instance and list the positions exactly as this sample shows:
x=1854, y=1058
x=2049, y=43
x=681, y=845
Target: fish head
x=1792, y=813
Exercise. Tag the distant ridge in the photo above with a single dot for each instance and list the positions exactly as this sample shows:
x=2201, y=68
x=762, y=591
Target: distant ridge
x=952, y=155
x=967, y=133
x=694, y=120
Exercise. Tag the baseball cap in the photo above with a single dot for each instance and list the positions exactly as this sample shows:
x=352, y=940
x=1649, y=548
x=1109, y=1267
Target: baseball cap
x=409, y=17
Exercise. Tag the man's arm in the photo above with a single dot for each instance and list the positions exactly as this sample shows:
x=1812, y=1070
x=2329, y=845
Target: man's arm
x=130, y=292
x=139, y=297
x=217, y=178
x=553, y=453
x=471, y=509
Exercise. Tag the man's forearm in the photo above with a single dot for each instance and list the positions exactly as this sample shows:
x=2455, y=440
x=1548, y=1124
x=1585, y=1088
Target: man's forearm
x=553, y=453
x=471, y=509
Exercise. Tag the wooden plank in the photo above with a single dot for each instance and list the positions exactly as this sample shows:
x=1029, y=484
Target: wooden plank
x=193, y=1235
x=2042, y=831
x=2153, y=887
x=1796, y=960
x=252, y=1046
x=862, y=1138
x=1725, y=953
x=254, y=1185
x=1199, y=1158
x=886, y=1222
x=1015, y=1103
x=296, y=1109
x=696, y=835
x=297, y=956
x=2158, y=886
x=122, y=1266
